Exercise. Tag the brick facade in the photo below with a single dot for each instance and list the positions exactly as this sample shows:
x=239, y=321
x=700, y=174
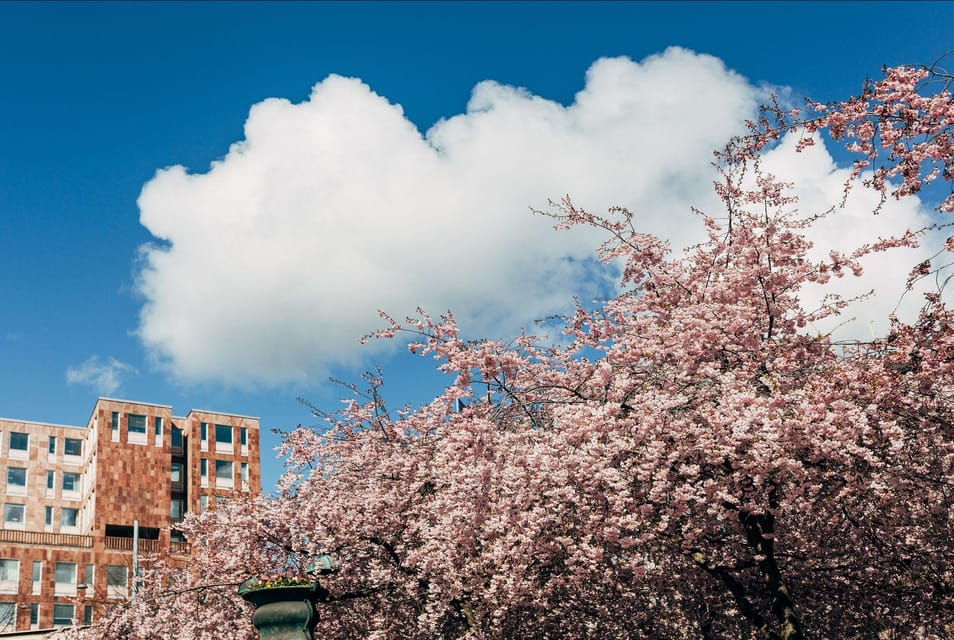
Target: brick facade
x=71, y=496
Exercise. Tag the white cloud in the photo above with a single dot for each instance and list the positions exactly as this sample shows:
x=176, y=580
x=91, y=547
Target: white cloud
x=275, y=261
x=819, y=184
x=104, y=377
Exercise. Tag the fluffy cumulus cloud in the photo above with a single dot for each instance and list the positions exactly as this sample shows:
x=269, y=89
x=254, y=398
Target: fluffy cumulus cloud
x=880, y=290
x=274, y=262
x=104, y=376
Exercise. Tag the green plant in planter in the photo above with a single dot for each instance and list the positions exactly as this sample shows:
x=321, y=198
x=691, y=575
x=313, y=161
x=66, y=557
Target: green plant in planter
x=279, y=581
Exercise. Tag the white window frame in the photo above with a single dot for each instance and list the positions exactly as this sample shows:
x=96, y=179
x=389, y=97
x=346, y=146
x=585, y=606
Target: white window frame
x=18, y=454
x=115, y=589
x=223, y=446
x=11, y=571
x=12, y=524
x=8, y=616
x=17, y=489
x=36, y=577
x=69, y=528
x=76, y=492
x=221, y=482
x=137, y=437
x=64, y=588
x=62, y=606
x=70, y=458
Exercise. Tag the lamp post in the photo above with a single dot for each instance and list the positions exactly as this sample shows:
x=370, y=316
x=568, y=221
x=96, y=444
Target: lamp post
x=80, y=599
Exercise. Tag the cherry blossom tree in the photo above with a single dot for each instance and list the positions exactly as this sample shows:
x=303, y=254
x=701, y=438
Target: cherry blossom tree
x=693, y=461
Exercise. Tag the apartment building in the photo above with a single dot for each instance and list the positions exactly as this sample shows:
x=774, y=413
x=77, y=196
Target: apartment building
x=76, y=500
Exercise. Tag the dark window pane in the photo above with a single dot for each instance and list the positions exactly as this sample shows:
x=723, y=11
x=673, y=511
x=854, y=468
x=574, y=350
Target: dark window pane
x=73, y=447
x=137, y=424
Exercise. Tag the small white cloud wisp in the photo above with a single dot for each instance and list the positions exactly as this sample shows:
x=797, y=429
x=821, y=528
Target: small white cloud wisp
x=103, y=376
x=274, y=262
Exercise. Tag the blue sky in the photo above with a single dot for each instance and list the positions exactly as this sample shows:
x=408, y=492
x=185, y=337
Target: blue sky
x=263, y=271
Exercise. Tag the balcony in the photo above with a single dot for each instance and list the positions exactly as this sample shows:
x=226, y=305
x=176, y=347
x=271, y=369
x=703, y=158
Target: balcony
x=179, y=548
x=126, y=544
x=47, y=539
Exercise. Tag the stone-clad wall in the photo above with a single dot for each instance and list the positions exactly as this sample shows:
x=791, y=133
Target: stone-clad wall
x=122, y=478
x=132, y=477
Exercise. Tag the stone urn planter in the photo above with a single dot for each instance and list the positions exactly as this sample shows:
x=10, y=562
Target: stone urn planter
x=284, y=609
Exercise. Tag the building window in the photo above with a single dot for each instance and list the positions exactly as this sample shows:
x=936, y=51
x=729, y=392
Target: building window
x=69, y=518
x=175, y=509
x=34, y=615
x=204, y=436
x=16, y=480
x=62, y=615
x=90, y=576
x=116, y=581
x=52, y=447
x=65, y=579
x=13, y=516
x=19, y=444
x=203, y=504
x=37, y=577
x=48, y=519
x=50, y=481
x=243, y=472
x=9, y=575
x=137, y=424
x=136, y=429
x=71, y=482
x=176, y=436
x=88, y=614
x=8, y=616
x=175, y=475
x=115, y=426
x=204, y=472
x=73, y=447
x=158, y=426
x=223, y=438
x=224, y=474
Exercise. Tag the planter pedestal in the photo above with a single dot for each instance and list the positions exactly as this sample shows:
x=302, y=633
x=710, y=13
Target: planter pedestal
x=284, y=613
